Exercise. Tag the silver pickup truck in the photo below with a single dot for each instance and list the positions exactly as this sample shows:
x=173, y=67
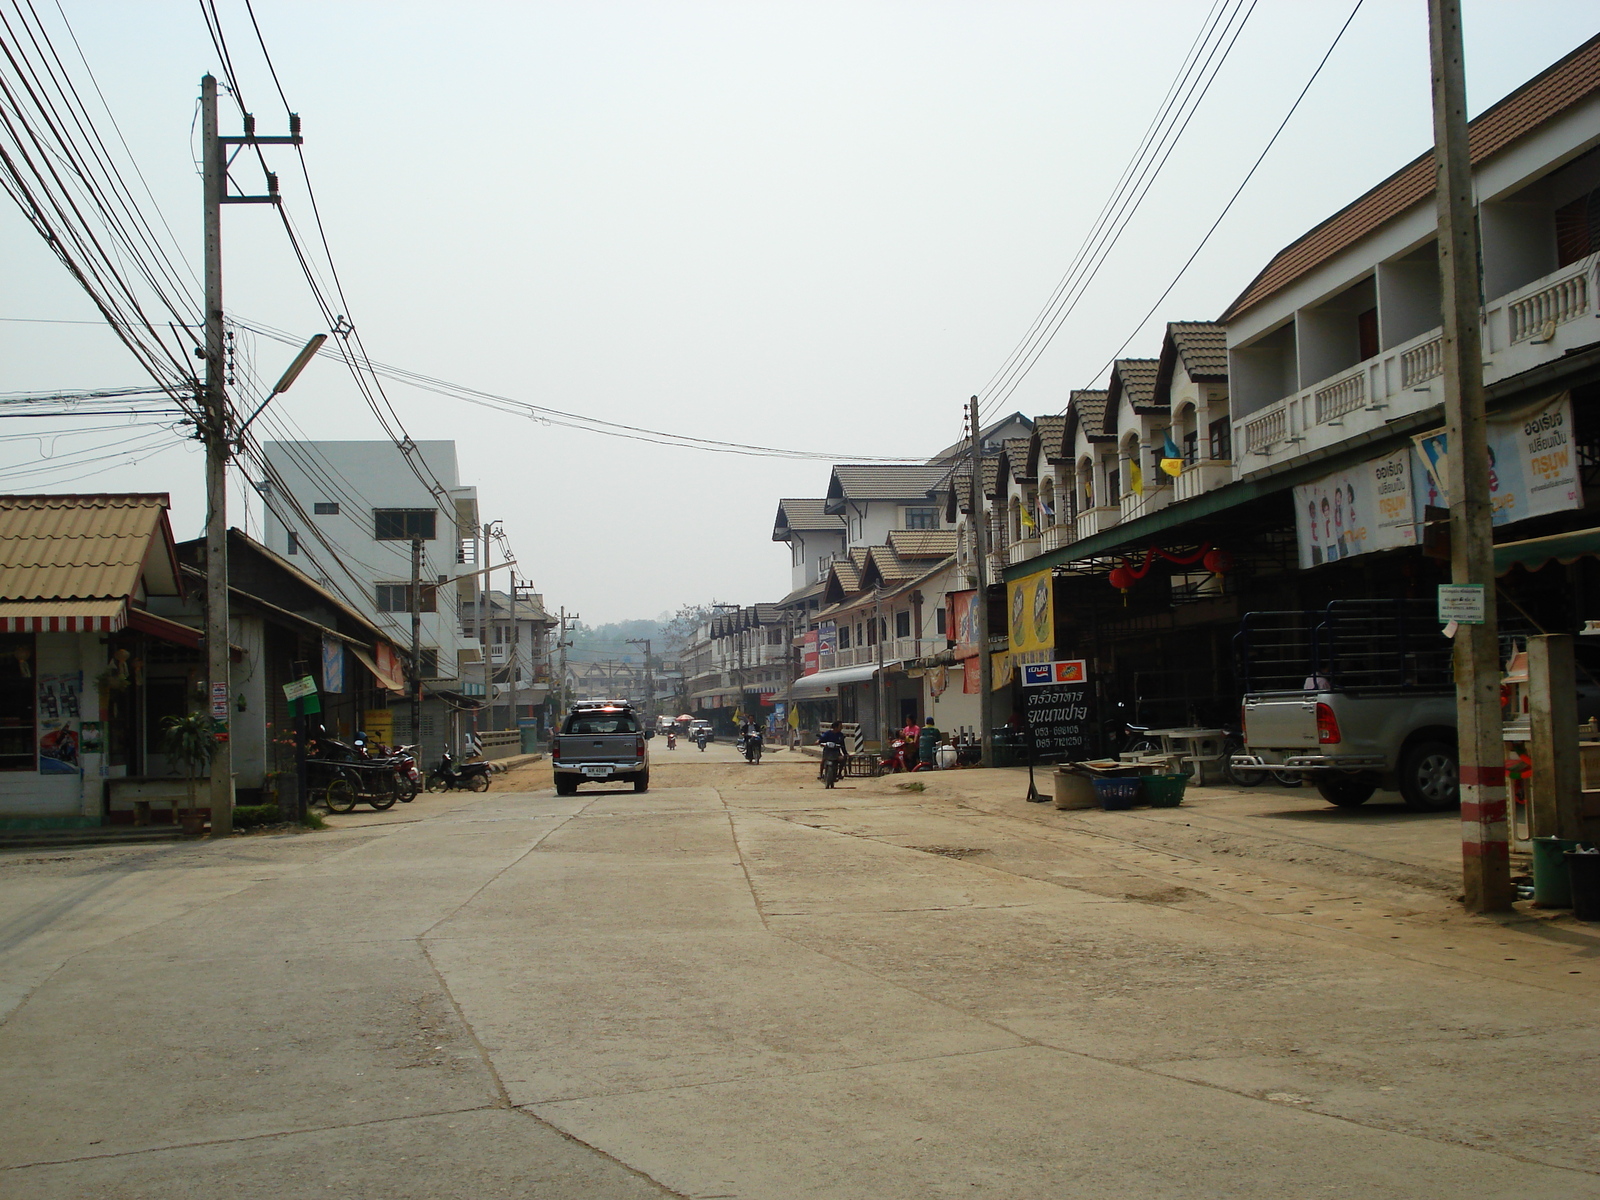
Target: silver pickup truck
x=602, y=742
x=1355, y=697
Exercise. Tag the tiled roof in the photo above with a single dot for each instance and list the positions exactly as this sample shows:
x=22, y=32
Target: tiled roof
x=883, y=562
x=801, y=593
x=1543, y=97
x=882, y=482
x=964, y=447
x=805, y=516
x=1201, y=346
x=1016, y=451
x=767, y=614
x=83, y=547
x=1134, y=378
x=1048, y=433
x=923, y=543
x=991, y=477
x=1086, y=411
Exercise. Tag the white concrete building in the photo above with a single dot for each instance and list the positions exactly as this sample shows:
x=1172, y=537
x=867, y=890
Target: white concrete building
x=346, y=513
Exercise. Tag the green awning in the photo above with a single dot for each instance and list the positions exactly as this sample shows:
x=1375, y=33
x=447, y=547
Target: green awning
x=1536, y=552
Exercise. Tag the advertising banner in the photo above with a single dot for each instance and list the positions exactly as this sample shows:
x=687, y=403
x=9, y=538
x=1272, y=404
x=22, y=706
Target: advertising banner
x=827, y=637
x=963, y=618
x=1030, y=601
x=1072, y=670
x=1533, y=465
x=1356, y=511
x=332, y=664
x=808, y=654
x=972, y=676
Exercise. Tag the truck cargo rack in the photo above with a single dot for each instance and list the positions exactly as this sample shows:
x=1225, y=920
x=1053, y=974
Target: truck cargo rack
x=1364, y=646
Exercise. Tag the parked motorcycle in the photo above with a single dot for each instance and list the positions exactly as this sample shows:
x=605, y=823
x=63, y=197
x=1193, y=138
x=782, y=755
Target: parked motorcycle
x=448, y=776
x=899, y=758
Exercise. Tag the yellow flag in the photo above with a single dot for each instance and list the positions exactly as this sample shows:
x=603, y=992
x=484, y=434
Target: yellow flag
x=1027, y=518
x=1135, y=478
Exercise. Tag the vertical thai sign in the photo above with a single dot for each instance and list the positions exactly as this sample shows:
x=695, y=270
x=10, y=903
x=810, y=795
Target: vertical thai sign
x=808, y=654
x=332, y=664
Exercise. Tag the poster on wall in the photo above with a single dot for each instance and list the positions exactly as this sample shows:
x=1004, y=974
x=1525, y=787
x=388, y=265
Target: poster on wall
x=1533, y=465
x=963, y=620
x=827, y=637
x=332, y=664
x=1365, y=508
x=1030, y=604
x=59, y=712
x=1060, y=717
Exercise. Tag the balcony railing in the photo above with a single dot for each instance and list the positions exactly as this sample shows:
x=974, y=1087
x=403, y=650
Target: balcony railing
x=1550, y=306
x=1057, y=536
x=1521, y=330
x=1422, y=363
x=1092, y=520
x=1341, y=396
x=1022, y=550
x=1202, y=476
x=1156, y=496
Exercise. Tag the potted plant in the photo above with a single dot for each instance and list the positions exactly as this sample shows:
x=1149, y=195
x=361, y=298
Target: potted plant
x=188, y=742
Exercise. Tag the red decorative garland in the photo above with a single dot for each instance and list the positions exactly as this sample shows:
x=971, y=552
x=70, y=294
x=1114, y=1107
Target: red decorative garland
x=1123, y=577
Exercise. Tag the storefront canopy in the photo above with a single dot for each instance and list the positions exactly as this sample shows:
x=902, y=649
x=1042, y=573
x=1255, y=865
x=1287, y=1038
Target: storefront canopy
x=384, y=668
x=63, y=616
x=1536, y=552
x=827, y=683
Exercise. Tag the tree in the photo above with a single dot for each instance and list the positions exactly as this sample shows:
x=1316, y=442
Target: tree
x=678, y=631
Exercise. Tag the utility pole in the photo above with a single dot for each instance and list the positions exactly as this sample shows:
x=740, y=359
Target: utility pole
x=512, y=656
x=649, y=682
x=562, y=703
x=416, y=642
x=884, y=730
x=981, y=601
x=214, y=431
x=1485, y=858
x=483, y=636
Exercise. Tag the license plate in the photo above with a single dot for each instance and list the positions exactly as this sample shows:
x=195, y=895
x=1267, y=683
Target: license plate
x=598, y=771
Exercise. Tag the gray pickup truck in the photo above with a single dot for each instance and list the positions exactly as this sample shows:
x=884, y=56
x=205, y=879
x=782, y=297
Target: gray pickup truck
x=1355, y=697
x=602, y=742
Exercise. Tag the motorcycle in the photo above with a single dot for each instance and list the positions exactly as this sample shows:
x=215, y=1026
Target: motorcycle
x=672, y=739
x=750, y=746
x=700, y=740
x=898, y=759
x=832, y=763
x=447, y=776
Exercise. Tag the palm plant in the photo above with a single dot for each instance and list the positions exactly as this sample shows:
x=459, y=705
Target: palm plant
x=188, y=741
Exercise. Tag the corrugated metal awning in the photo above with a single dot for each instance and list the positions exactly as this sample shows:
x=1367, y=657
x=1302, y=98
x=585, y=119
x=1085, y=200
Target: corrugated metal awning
x=63, y=616
x=391, y=680
x=161, y=627
x=827, y=683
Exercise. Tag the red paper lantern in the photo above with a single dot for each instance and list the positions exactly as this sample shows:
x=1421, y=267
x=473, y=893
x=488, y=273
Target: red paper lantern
x=1121, y=578
x=1218, y=562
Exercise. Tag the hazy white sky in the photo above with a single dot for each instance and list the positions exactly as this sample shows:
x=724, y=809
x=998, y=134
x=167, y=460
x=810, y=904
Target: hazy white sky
x=817, y=225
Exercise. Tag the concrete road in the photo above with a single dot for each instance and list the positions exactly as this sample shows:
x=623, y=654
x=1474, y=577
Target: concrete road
x=742, y=985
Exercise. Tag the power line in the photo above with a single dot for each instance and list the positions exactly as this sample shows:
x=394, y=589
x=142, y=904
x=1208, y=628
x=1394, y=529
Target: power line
x=1226, y=208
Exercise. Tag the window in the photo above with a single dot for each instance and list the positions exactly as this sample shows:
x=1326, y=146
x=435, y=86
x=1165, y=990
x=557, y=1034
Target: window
x=428, y=668
x=1191, y=450
x=775, y=636
x=938, y=621
x=1578, y=229
x=294, y=542
x=844, y=637
x=325, y=508
x=902, y=624
x=1221, y=439
x=922, y=518
x=396, y=597
x=1367, y=334
x=403, y=524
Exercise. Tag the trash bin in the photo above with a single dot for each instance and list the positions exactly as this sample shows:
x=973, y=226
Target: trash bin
x=1164, y=791
x=1583, y=873
x=1550, y=886
x=1074, y=790
x=1117, y=794
x=530, y=738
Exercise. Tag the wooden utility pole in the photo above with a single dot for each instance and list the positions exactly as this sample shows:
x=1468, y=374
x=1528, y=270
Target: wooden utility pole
x=981, y=601
x=1485, y=858
x=513, y=641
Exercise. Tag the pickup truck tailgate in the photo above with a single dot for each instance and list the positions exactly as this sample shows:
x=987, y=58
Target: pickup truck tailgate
x=1280, y=722
x=621, y=748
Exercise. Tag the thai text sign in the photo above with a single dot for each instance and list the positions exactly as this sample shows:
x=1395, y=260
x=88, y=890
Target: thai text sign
x=1533, y=464
x=1059, y=718
x=1356, y=511
x=1030, y=602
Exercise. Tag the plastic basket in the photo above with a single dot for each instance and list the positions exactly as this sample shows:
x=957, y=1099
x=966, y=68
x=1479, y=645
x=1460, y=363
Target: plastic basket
x=1117, y=793
x=1164, y=791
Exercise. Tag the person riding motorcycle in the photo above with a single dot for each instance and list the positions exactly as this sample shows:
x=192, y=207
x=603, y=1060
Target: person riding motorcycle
x=832, y=742
x=750, y=732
